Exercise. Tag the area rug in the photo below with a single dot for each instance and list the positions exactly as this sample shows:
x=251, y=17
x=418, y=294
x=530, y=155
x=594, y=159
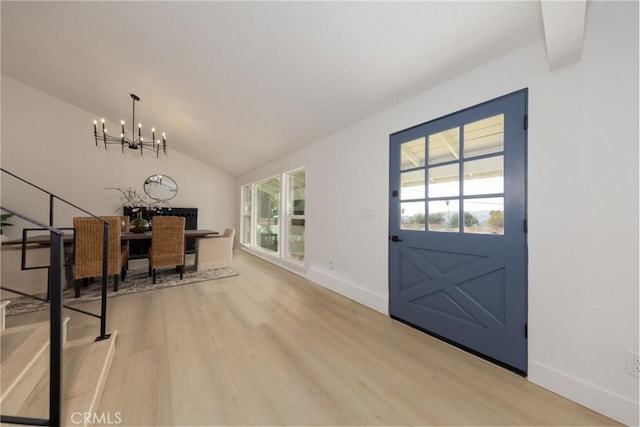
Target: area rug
x=137, y=280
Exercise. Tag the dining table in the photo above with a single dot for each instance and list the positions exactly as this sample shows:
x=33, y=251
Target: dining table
x=14, y=253
x=44, y=239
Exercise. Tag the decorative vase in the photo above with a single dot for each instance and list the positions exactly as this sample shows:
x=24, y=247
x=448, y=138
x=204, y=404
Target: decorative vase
x=139, y=225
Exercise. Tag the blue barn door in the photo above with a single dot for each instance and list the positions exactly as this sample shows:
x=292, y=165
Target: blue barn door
x=457, y=229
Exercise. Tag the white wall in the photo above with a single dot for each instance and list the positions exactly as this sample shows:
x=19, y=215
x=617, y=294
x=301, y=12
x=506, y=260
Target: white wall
x=50, y=143
x=583, y=204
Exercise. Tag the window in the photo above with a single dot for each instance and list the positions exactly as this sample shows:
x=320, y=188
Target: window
x=457, y=174
x=296, y=198
x=273, y=215
x=267, y=214
x=246, y=215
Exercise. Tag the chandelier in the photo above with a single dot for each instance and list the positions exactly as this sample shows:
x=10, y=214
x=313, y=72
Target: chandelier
x=132, y=143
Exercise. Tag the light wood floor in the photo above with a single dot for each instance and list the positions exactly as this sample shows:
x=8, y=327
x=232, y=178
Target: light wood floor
x=270, y=348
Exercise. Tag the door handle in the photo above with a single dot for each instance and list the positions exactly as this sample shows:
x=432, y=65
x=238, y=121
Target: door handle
x=395, y=239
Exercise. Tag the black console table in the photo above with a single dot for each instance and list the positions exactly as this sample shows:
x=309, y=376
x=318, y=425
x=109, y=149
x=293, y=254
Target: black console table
x=140, y=248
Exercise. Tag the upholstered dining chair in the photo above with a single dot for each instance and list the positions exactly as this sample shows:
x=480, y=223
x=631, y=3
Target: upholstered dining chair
x=215, y=251
x=88, y=250
x=167, y=244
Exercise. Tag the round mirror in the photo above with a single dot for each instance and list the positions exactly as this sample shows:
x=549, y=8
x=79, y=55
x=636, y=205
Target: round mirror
x=160, y=187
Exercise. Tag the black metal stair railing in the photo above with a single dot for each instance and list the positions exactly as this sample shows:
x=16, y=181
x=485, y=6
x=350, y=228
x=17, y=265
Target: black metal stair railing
x=56, y=260
x=55, y=299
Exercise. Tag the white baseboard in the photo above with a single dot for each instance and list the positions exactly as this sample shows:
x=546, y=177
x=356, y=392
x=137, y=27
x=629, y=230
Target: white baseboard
x=327, y=280
x=348, y=289
x=603, y=401
x=294, y=267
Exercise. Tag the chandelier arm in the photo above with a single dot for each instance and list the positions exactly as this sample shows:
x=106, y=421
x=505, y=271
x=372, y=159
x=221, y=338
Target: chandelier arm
x=113, y=139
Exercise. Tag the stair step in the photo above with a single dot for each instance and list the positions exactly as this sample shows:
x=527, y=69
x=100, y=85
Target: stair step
x=86, y=378
x=85, y=370
x=3, y=311
x=23, y=368
x=30, y=327
x=25, y=359
x=11, y=342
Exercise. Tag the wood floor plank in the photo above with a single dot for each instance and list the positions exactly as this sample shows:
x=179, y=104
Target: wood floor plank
x=268, y=347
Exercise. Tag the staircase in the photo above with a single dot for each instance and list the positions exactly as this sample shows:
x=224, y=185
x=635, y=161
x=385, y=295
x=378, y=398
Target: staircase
x=45, y=379
x=24, y=374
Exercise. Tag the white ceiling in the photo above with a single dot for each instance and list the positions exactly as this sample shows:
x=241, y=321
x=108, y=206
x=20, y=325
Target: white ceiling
x=238, y=84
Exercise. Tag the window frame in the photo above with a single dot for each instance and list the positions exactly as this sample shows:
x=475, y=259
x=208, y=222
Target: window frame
x=283, y=252
x=255, y=218
x=288, y=217
x=243, y=200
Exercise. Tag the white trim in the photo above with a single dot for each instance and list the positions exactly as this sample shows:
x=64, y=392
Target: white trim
x=242, y=215
x=273, y=258
x=327, y=280
x=600, y=400
x=349, y=289
x=254, y=214
x=286, y=217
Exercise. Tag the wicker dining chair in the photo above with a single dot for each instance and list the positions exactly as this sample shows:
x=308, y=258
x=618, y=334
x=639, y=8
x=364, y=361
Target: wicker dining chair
x=126, y=226
x=167, y=244
x=88, y=250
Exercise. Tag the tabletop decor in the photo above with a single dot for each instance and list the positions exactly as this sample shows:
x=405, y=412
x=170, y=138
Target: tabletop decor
x=131, y=198
x=131, y=142
x=138, y=202
x=139, y=224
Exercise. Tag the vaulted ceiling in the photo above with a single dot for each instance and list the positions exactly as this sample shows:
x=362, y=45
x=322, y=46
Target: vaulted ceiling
x=238, y=84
